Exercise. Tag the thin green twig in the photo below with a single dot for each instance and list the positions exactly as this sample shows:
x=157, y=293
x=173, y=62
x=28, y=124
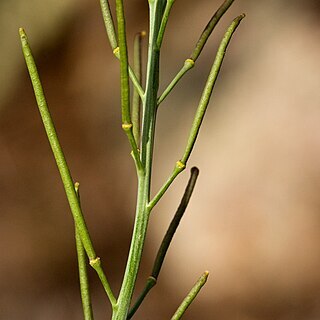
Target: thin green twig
x=202, y=107
x=109, y=25
x=164, y=22
x=152, y=279
x=189, y=63
x=209, y=28
x=207, y=92
x=132, y=75
x=178, y=168
x=136, y=101
x=83, y=275
x=190, y=297
x=125, y=88
x=60, y=160
x=144, y=179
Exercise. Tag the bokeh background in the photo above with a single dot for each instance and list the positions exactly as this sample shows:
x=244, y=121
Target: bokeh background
x=254, y=218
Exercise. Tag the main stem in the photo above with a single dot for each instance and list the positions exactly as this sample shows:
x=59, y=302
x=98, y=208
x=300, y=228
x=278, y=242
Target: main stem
x=144, y=176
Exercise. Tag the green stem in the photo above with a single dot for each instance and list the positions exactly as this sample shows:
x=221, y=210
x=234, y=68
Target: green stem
x=132, y=75
x=152, y=279
x=191, y=296
x=179, y=167
x=136, y=101
x=83, y=275
x=206, y=95
x=59, y=157
x=164, y=22
x=209, y=28
x=189, y=63
x=109, y=25
x=144, y=181
x=125, y=88
x=202, y=107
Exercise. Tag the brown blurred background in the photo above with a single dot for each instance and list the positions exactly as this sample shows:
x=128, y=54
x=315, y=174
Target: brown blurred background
x=254, y=219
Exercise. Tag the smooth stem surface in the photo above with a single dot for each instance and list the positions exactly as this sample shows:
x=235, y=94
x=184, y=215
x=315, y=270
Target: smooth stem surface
x=209, y=28
x=83, y=278
x=190, y=297
x=83, y=275
x=125, y=88
x=134, y=258
x=144, y=179
x=179, y=167
x=136, y=102
x=206, y=95
x=109, y=25
x=164, y=22
x=202, y=107
x=59, y=157
x=189, y=63
x=152, y=279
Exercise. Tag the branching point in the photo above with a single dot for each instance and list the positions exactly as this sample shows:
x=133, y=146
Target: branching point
x=95, y=263
x=189, y=63
x=126, y=126
x=180, y=165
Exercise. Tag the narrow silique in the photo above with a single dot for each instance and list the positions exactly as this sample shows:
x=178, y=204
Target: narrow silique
x=139, y=116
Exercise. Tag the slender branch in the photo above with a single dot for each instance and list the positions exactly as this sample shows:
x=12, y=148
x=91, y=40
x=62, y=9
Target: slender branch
x=109, y=25
x=190, y=297
x=132, y=75
x=198, y=48
x=136, y=102
x=136, y=84
x=152, y=279
x=55, y=146
x=194, y=172
x=179, y=167
x=188, y=64
x=83, y=275
x=209, y=28
x=181, y=164
x=144, y=180
x=125, y=88
x=206, y=95
x=108, y=22
x=164, y=22
x=59, y=157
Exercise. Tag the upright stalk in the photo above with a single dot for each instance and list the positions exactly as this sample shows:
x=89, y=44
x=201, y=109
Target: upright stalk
x=144, y=176
x=142, y=145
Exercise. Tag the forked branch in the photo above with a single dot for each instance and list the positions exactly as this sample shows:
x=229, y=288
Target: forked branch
x=152, y=279
x=62, y=165
x=189, y=63
x=202, y=107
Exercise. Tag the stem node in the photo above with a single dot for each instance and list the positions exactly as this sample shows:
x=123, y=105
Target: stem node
x=126, y=126
x=94, y=263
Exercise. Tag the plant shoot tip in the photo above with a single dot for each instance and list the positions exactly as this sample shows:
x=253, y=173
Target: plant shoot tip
x=194, y=170
x=22, y=33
